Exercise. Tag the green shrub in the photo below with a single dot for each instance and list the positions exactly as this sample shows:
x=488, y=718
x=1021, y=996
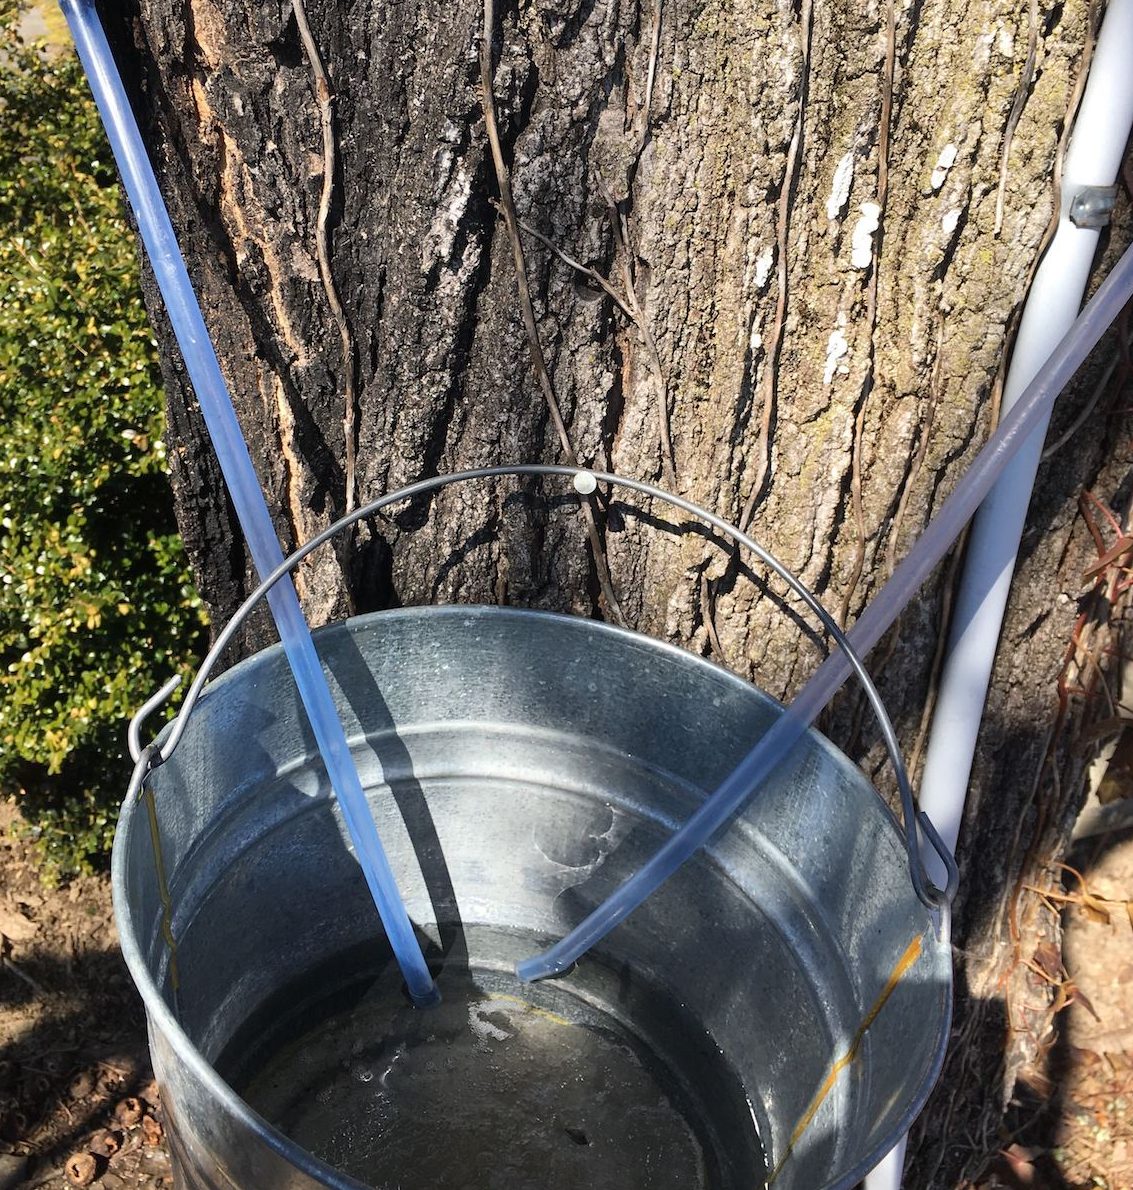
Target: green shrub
x=96, y=607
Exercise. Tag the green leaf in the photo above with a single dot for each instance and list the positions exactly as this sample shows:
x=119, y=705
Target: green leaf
x=96, y=604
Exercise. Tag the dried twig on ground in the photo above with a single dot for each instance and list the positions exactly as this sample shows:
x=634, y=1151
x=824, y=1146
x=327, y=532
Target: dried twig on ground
x=9, y=965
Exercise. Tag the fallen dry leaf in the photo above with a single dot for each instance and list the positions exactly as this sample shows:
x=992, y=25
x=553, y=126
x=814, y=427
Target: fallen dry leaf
x=152, y=1131
x=16, y=925
x=1115, y=784
x=1021, y=1162
x=1075, y=995
x=1049, y=960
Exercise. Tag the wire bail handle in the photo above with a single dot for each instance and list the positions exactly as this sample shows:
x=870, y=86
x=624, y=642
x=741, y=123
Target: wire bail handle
x=914, y=820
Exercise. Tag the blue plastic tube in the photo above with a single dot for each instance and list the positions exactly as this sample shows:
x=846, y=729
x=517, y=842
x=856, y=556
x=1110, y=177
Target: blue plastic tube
x=243, y=485
x=1026, y=420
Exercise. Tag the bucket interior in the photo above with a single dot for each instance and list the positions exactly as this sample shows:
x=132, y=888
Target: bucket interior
x=519, y=766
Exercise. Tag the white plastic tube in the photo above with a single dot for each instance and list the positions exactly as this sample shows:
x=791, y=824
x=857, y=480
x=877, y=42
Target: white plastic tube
x=1092, y=159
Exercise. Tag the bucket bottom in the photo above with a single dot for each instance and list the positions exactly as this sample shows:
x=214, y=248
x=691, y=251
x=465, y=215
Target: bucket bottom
x=502, y=1085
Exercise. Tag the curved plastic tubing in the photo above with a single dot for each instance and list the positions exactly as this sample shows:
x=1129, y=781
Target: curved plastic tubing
x=1093, y=158
x=243, y=485
x=1011, y=436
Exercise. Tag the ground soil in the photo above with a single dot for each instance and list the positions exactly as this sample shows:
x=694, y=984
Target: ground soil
x=1091, y=1130
x=78, y=1105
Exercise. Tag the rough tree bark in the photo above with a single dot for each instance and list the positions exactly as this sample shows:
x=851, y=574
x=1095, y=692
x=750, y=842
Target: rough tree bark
x=819, y=222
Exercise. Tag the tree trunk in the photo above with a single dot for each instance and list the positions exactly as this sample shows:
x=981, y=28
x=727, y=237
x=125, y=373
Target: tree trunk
x=819, y=222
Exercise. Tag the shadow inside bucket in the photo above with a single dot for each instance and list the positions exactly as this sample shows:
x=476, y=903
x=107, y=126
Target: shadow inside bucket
x=364, y=696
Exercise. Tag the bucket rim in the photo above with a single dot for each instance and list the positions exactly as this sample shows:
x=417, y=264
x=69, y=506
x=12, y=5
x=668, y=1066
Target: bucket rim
x=160, y=1013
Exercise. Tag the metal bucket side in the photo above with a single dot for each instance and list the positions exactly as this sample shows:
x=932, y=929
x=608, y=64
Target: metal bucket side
x=806, y=898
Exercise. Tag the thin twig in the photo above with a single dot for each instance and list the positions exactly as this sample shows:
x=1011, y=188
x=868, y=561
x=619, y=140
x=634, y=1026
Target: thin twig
x=1093, y=20
x=621, y=235
x=1088, y=408
x=922, y=451
x=915, y=467
x=511, y=222
x=769, y=381
x=1021, y=93
x=570, y=262
x=856, y=502
x=949, y=592
x=78, y=206
x=37, y=988
x=708, y=614
x=651, y=76
x=633, y=311
x=35, y=264
x=325, y=97
x=41, y=1179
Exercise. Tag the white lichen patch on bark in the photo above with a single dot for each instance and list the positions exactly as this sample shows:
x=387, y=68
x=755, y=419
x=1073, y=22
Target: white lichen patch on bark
x=837, y=348
x=438, y=243
x=861, y=242
x=944, y=163
x=763, y=265
x=840, y=186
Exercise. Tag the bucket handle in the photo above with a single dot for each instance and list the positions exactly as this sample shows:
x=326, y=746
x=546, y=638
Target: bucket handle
x=150, y=757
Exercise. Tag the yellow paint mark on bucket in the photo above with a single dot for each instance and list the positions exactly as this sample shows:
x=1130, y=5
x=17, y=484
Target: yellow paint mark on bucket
x=147, y=798
x=907, y=959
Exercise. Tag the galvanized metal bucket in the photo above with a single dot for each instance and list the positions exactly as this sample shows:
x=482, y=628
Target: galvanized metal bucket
x=519, y=765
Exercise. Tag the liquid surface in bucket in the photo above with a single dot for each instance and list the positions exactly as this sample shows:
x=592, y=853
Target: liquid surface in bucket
x=501, y=1087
